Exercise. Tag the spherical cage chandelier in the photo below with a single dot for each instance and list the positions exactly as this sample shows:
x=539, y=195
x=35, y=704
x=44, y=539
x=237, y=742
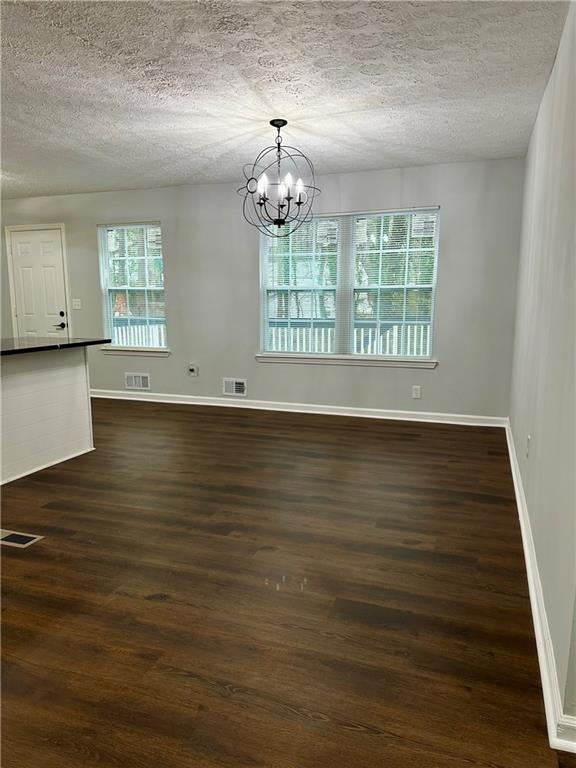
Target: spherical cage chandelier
x=279, y=189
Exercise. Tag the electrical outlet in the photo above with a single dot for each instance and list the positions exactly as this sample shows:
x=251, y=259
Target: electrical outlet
x=193, y=369
x=416, y=391
x=76, y=303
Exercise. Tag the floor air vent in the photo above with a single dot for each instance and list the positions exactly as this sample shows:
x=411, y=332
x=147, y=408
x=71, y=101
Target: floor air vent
x=234, y=387
x=137, y=380
x=16, y=539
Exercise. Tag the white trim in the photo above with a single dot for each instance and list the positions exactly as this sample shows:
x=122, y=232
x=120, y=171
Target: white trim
x=561, y=727
x=566, y=729
x=329, y=410
x=45, y=466
x=139, y=351
x=123, y=224
x=8, y=238
x=88, y=400
x=327, y=359
x=378, y=211
x=29, y=227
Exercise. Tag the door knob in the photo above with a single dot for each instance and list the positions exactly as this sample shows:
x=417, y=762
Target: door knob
x=60, y=325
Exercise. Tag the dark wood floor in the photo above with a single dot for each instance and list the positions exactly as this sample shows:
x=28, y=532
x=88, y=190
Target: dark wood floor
x=222, y=587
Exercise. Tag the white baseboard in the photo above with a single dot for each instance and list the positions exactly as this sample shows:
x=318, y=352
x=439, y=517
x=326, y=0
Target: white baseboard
x=561, y=727
x=45, y=466
x=333, y=410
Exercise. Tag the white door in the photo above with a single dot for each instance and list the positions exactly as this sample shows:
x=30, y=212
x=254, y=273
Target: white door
x=39, y=288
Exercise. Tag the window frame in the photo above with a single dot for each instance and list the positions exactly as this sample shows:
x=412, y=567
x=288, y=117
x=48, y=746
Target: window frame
x=103, y=259
x=344, y=306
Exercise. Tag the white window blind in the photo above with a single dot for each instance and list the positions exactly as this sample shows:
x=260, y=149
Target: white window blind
x=359, y=284
x=132, y=273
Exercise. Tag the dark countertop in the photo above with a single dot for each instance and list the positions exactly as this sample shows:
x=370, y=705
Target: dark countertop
x=18, y=346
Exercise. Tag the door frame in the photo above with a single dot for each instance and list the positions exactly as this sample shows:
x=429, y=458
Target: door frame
x=24, y=228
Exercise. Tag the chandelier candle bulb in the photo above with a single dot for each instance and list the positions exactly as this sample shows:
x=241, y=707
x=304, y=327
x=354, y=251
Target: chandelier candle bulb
x=263, y=185
x=299, y=191
x=290, y=205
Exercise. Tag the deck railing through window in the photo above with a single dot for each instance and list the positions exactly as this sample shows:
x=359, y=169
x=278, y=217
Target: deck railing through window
x=139, y=335
x=401, y=340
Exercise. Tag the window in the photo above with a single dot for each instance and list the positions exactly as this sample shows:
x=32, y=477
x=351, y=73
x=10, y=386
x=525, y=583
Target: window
x=300, y=277
x=359, y=285
x=132, y=274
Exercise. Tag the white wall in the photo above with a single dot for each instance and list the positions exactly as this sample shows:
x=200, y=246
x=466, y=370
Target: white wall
x=212, y=287
x=543, y=392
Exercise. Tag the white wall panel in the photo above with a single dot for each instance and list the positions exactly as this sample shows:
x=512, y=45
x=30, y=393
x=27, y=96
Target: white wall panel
x=543, y=402
x=46, y=413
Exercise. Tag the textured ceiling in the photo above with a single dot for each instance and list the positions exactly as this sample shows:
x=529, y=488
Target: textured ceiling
x=119, y=95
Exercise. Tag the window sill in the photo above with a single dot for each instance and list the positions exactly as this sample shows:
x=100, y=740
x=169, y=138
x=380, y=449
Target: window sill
x=367, y=362
x=137, y=351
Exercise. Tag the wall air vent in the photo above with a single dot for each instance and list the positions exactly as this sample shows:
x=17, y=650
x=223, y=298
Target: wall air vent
x=234, y=387
x=137, y=380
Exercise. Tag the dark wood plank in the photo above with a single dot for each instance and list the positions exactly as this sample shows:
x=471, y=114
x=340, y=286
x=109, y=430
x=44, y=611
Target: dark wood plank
x=224, y=587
